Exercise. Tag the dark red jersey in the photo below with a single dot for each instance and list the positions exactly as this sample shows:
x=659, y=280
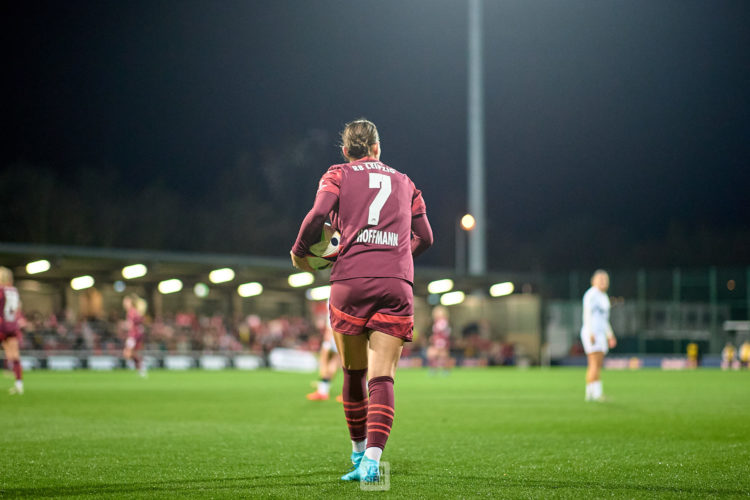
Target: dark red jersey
x=10, y=304
x=441, y=334
x=374, y=213
x=135, y=323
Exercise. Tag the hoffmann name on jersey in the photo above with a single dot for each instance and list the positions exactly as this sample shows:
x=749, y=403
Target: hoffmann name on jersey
x=377, y=203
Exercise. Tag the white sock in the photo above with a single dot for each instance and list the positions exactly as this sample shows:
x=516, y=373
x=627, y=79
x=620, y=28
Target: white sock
x=359, y=446
x=374, y=453
x=589, y=391
x=596, y=389
x=324, y=387
x=19, y=385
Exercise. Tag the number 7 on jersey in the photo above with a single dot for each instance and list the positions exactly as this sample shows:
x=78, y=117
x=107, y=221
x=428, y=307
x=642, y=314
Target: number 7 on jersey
x=383, y=183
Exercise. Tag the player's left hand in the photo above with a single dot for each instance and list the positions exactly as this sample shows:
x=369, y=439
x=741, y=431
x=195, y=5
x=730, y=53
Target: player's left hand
x=612, y=342
x=301, y=263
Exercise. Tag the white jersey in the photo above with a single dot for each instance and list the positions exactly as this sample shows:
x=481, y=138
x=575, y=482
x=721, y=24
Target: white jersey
x=596, y=312
x=595, y=321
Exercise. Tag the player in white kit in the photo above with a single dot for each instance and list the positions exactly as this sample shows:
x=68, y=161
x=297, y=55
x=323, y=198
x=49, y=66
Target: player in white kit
x=596, y=333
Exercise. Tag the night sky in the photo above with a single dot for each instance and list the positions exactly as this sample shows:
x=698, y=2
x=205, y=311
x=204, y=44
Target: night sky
x=617, y=132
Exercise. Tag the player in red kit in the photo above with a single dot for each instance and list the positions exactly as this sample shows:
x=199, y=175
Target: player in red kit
x=10, y=309
x=383, y=223
x=438, y=354
x=328, y=366
x=135, y=308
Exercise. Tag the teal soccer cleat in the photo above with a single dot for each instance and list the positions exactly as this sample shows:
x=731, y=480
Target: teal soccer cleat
x=368, y=471
x=357, y=458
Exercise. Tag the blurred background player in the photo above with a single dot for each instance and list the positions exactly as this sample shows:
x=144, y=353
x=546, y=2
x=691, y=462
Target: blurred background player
x=727, y=356
x=596, y=333
x=383, y=223
x=329, y=363
x=438, y=352
x=10, y=332
x=693, y=352
x=135, y=308
x=744, y=356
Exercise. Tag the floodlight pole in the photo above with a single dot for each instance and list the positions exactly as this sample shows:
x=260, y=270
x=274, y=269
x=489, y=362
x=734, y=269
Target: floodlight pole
x=460, y=254
x=476, y=202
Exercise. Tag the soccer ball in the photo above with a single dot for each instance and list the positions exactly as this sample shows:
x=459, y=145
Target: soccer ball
x=323, y=254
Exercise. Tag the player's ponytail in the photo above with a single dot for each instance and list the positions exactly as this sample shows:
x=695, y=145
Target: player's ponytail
x=358, y=137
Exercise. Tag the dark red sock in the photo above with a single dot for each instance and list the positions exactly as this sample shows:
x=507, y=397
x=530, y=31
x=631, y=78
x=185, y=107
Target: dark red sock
x=137, y=361
x=380, y=411
x=355, y=403
x=18, y=369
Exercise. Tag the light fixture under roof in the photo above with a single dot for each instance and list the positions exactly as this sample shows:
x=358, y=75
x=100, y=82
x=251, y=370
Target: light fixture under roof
x=318, y=293
x=134, y=271
x=501, y=289
x=440, y=286
x=452, y=298
x=38, y=266
x=301, y=279
x=170, y=286
x=82, y=282
x=201, y=290
x=250, y=289
x=221, y=275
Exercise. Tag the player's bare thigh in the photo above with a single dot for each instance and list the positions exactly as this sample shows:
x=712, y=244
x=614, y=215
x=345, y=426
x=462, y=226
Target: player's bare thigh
x=352, y=349
x=379, y=353
x=10, y=346
x=384, y=353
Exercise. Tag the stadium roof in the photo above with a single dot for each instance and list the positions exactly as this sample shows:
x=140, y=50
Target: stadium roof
x=105, y=265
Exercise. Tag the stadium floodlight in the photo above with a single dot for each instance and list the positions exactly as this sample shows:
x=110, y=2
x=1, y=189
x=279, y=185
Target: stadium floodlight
x=38, y=266
x=468, y=222
x=440, y=286
x=201, y=290
x=170, y=286
x=318, y=293
x=452, y=298
x=301, y=279
x=501, y=289
x=250, y=289
x=221, y=275
x=134, y=271
x=82, y=282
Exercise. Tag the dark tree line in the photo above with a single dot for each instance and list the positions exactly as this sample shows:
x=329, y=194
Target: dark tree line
x=254, y=206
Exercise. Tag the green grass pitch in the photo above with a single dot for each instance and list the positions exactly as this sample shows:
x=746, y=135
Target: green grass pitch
x=477, y=433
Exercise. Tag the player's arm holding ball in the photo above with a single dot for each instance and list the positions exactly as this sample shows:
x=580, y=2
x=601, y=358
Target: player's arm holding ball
x=312, y=226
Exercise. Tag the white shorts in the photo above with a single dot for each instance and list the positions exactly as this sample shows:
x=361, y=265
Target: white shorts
x=600, y=343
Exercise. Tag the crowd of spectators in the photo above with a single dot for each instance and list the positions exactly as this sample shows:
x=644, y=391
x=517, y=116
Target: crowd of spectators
x=186, y=332
x=178, y=333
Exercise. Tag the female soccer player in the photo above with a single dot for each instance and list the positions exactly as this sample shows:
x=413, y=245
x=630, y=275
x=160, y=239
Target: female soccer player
x=135, y=308
x=329, y=364
x=438, y=353
x=596, y=333
x=10, y=306
x=383, y=223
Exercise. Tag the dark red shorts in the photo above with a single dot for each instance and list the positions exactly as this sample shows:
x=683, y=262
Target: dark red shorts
x=6, y=336
x=359, y=305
